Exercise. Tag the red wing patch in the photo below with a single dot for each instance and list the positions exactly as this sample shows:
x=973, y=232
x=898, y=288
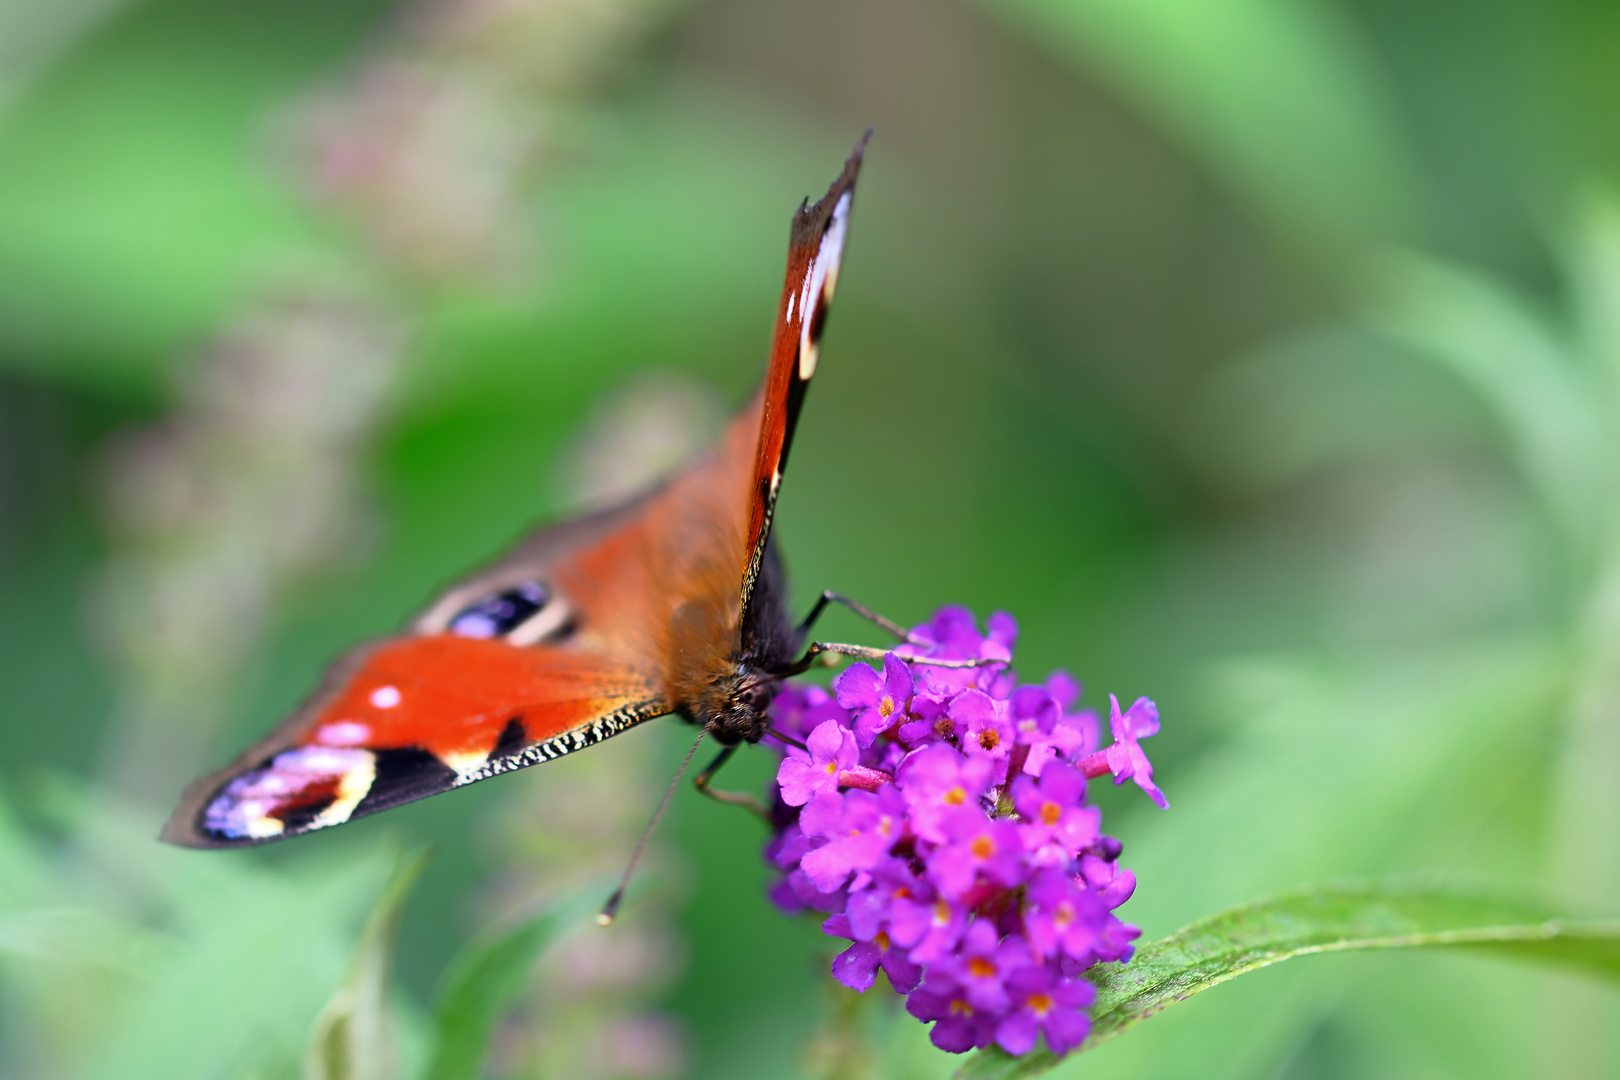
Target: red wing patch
x=413, y=717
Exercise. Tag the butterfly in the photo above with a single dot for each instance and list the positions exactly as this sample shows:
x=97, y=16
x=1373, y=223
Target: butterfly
x=672, y=602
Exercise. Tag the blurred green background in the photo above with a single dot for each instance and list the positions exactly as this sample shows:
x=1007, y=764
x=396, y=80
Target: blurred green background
x=1260, y=356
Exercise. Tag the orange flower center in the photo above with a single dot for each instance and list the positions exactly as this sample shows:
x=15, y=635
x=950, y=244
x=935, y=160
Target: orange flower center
x=886, y=707
x=942, y=913
x=1039, y=1004
x=881, y=941
x=956, y=796
x=989, y=738
x=980, y=968
x=1064, y=915
x=832, y=768
x=1051, y=813
x=982, y=847
x=960, y=1007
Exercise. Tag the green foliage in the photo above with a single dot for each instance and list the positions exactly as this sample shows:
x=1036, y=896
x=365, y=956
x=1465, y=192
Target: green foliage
x=351, y=1038
x=125, y=961
x=486, y=978
x=1542, y=384
x=1279, y=96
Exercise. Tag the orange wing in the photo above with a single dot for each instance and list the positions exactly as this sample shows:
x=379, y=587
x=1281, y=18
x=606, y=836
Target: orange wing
x=583, y=631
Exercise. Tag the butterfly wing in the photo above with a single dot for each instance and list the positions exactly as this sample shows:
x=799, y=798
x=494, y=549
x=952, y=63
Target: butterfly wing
x=522, y=663
x=583, y=631
x=815, y=252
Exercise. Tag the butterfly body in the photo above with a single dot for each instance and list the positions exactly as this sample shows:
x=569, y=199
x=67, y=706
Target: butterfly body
x=726, y=679
x=672, y=602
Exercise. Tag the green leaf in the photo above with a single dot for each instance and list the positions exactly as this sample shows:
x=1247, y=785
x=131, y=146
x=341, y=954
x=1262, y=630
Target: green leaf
x=148, y=219
x=257, y=950
x=351, y=1038
x=1324, y=918
x=1521, y=364
x=488, y=976
x=1593, y=258
x=1280, y=97
x=33, y=36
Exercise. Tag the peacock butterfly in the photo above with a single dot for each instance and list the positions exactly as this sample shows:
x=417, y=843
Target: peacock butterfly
x=672, y=602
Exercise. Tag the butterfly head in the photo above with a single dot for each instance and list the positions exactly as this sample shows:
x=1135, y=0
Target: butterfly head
x=732, y=708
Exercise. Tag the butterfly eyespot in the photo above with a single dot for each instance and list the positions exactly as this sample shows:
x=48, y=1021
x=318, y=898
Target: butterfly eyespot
x=498, y=614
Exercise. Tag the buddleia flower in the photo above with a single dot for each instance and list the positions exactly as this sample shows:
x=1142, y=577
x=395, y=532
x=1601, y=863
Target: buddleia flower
x=937, y=817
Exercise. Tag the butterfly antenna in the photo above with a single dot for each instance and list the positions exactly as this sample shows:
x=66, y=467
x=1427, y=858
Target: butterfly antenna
x=611, y=908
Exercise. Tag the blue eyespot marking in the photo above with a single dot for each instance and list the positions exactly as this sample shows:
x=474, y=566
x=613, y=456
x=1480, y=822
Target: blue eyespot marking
x=500, y=613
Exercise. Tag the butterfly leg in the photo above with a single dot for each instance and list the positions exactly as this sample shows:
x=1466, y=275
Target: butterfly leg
x=889, y=626
x=824, y=651
x=735, y=798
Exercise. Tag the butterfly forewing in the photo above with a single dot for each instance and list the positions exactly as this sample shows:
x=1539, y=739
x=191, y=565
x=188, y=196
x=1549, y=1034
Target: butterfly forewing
x=815, y=254
x=406, y=718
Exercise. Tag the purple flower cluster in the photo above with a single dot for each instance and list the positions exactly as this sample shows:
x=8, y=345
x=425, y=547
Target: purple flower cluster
x=938, y=817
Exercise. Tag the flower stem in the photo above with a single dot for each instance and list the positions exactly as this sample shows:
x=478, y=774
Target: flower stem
x=860, y=776
x=1095, y=765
